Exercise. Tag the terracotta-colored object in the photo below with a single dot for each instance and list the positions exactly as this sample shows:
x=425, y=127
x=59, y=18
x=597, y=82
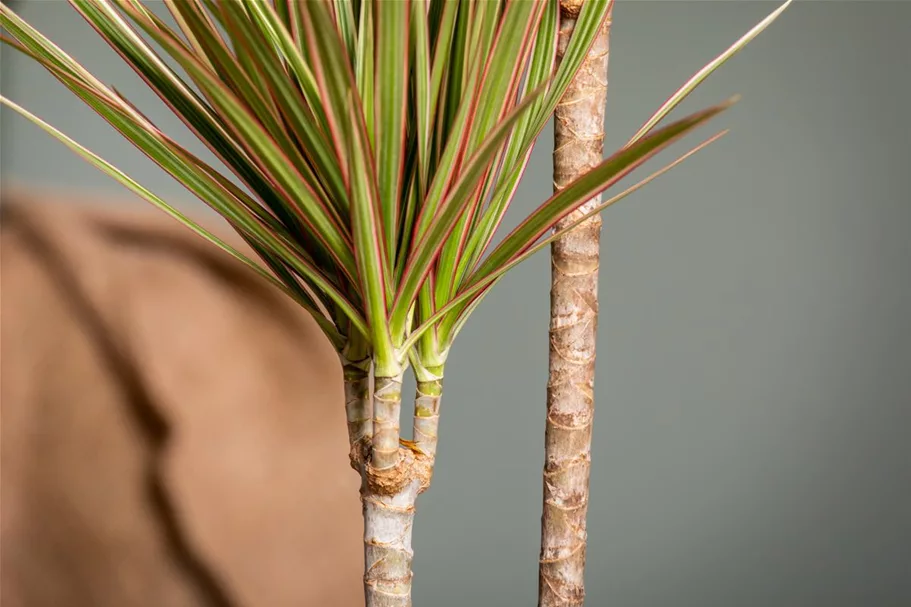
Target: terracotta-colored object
x=173, y=428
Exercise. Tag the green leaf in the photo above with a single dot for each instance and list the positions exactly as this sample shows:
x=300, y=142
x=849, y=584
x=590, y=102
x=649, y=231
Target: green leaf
x=704, y=73
x=33, y=41
x=289, y=16
x=298, y=106
x=147, y=195
x=368, y=246
x=196, y=177
x=198, y=116
x=587, y=186
x=364, y=64
x=588, y=23
x=425, y=251
x=345, y=22
x=321, y=220
x=293, y=188
x=420, y=56
x=497, y=89
x=442, y=45
x=514, y=161
x=391, y=98
x=378, y=144
x=502, y=72
x=195, y=22
x=453, y=111
x=453, y=315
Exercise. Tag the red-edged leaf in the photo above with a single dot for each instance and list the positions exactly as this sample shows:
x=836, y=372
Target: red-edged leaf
x=450, y=317
x=426, y=250
x=391, y=98
x=587, y=186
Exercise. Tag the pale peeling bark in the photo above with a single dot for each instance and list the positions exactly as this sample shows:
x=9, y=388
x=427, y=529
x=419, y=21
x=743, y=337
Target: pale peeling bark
x=387, y=407
x=388, y=521
x=578, y=147
x=358, y=407
x=392, y=477
x=427, y=416
x=388, y=497
x=389, y=492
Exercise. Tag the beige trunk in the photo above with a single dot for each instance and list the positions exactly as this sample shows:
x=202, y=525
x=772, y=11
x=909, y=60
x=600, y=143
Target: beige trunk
x=392, y=478
x=387, y=408
x=388, y=520
x=358, y=407
x=578, y=146
x=427, y=416
x=388, y=498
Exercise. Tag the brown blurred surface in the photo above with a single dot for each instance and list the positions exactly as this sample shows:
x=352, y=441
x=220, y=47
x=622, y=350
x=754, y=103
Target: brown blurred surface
x=173, y=430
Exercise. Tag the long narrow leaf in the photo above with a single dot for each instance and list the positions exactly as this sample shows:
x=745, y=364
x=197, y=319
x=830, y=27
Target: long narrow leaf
x=457, y=309
x=451, y=324
x=589, y=185
x=344, y=18
x=514, y=162
x=190, y=109
x=258, y=37
x=106, y=21
x=371, y=265
x=195, y=177
x=420, y=53
x=441, y=51
x=392, y=47
x=589, y=21
x=501, y=79
x=230, y=69
x=697, y=78
x=364, y=68
x=150, y=197
x=499, y=86
x=425, y=251
x=322, y=221
x=141, y=133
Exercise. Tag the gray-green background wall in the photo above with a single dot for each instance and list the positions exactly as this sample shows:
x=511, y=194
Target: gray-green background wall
x=754, y=372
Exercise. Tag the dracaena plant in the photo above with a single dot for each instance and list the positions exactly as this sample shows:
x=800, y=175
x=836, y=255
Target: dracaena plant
x=368, y=151
x=578, y=145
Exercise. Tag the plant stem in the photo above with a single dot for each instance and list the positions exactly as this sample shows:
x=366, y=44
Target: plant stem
x=392, y=476
x=358, y=407
x=387, y=407
x=578, y=146
x=427, y=399
x=389, y=492
x=388, y=521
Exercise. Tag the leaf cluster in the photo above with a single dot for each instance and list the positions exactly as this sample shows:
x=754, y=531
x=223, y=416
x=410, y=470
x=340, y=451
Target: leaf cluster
x=369, y=149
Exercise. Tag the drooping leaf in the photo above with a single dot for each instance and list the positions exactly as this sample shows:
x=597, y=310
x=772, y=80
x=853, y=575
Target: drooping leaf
x=147, y=195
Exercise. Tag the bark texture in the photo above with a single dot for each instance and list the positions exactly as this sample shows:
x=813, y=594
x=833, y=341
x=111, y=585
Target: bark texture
x=388, y=496
x=578, y=146
x=358, y=407
x=392, y=477
x=427, y=416
x=387, y=407
x=388, y=521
